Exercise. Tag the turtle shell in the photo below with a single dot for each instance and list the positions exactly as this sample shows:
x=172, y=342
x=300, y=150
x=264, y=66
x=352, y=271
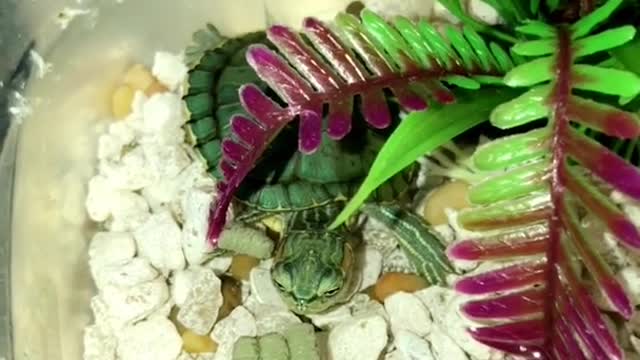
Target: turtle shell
x=284, y=179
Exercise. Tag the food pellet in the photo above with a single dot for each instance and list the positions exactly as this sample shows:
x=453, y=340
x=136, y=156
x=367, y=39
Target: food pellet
x=241, y=266
x=139, y=77
x=121, y=101
x=393, y=282
x=195, y=344
x=451, y=195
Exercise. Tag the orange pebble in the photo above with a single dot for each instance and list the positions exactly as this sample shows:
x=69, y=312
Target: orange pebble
x=393, y=282
x=451, y=195
x=241, y=266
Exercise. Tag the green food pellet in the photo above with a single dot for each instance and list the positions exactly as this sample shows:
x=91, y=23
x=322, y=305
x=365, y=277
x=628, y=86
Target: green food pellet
x=246, y=348
x=301, y=339
x=273, y=347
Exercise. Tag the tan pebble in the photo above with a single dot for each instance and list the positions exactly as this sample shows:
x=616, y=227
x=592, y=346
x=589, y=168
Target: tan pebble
x=173, y=316
x=393, y=282
x=195, y=344
x=121, y=101
x=138, y=77
x=231, y=294
x=451, y=195
x=370, y=291
x=241, y=266
x=155, y=88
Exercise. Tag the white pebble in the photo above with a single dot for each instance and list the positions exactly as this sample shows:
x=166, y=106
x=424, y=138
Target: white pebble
x=154, y=339
x=630, y=279
x=129, y=211
x=444, y=347
x=98, y=345
x=136, y=303
x=227, y=331
x=99, y=198
x=484, y=12
x=444, y=305
x=397, y=261
x=164, y=311
x=169, y=69
x=109, y=248
x=408, y=8
x=132, y=172
x=195, y=176
x=102, y=315
x=200, y=308
x=372, y=266
x=162, y=114
x=219, y=264
x=195, y=206
x=363, y=338
x=635, y=342
x=181, y=284
x=262, y=286
x=360, y=305
x=271, y=319
x=158, y=240
x=407, y=312
x=331, y=318
x=109, y=147
x=163, y=194
x=412, y=346
x=133, y=273
x=122, y=131
x=166, y=161
x=442, y=13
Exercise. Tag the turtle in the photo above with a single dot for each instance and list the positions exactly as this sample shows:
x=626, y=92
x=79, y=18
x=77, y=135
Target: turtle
x=314, y=268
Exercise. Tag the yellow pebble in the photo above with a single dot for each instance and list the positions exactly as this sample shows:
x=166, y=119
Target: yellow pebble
x=139, y=77
x=241, y=266
x=155, y=88
x=121, y=101
x=173, y=316
x=451, y=195
x=195, y=344
x=393, y=282
x=231, y=295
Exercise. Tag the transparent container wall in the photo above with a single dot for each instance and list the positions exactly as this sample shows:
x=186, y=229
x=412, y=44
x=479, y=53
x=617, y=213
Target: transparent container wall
x=86, y=46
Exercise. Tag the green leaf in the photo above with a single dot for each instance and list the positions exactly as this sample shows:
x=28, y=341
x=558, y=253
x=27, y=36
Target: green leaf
x=628, y=55
x=605, y=40
x=422, y=132
x=536, y=47
x=585, y=25
x=456, y=8
x=392, y=42
x=511, y=150
x=505, y=214
x=511, y=185
x=528, y=107
x=531, y=73
x=607, y=81
x=538, y=28
x=414, y=39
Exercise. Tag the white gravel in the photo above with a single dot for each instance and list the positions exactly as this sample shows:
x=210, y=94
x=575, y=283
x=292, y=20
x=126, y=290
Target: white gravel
x=151, y=197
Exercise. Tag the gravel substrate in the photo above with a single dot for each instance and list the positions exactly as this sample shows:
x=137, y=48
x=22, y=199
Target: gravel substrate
x=159, y=291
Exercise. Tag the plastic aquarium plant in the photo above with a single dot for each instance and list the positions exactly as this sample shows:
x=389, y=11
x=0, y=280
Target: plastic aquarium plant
x=362, y=66
x=540, y=306
x=542, y=183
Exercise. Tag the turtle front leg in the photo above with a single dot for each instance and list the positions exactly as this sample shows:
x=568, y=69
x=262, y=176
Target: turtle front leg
x=420, y=243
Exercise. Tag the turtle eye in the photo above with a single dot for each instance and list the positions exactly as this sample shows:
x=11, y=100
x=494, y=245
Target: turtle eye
x=279, y=286
x=332, y=292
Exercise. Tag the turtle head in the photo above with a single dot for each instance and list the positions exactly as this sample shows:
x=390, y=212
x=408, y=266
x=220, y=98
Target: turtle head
x=315, y=270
